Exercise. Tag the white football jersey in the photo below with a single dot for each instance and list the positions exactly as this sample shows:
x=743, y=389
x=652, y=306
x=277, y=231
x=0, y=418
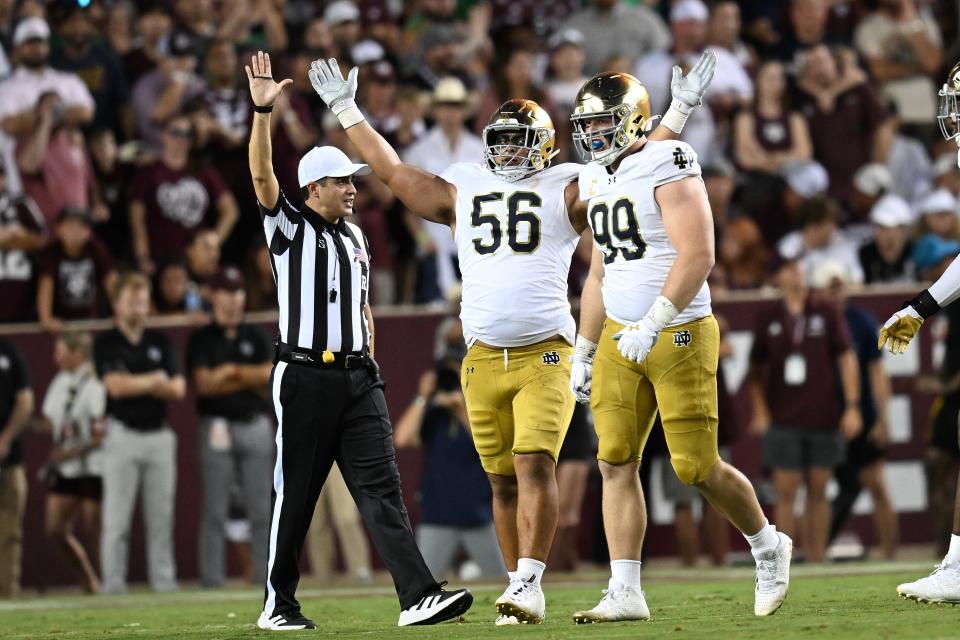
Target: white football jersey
x=628, y=228
x=515, y=243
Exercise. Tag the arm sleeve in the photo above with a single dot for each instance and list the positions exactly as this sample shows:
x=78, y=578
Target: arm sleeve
x=947, y=288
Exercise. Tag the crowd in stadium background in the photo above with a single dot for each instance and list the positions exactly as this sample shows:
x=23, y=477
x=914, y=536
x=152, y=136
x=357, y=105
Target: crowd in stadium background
x=124, y=127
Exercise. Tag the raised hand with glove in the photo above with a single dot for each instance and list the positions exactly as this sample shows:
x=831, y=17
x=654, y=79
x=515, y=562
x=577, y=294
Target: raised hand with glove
x=635, y=341
x=338, y=93
x=687, y=90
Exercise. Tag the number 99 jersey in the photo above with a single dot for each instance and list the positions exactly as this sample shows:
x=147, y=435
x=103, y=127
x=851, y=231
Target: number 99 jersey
x=515, y=243
x=628, y=228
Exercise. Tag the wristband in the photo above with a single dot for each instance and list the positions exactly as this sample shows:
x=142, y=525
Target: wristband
x=258, y=109
x=584, y=350
x=676, y=116
x=348, y=113
x=662, y=312
x=924, y=304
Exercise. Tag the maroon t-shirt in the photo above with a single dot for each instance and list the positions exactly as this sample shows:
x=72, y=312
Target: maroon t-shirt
x=798, y=357
x=16, y=266
x=843, y=139
x=178, y=201
x=77, y=280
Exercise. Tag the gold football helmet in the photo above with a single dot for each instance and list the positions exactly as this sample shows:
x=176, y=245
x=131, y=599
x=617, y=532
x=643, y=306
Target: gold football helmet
x=519, y=139
x=949, y=116
x=621, y=105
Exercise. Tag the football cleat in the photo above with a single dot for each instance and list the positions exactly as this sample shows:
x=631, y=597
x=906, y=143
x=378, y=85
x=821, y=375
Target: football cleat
x=773, y=577
x=503, y=620
x=619, y=603
x=437, y=606
x=524, y=601
x=943, y=585
x=289, y=621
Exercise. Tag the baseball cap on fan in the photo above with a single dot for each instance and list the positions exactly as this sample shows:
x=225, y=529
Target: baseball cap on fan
x=327, y=162
x=32, y=28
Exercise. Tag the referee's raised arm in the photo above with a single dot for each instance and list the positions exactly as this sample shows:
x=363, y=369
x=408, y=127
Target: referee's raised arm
x=264, y=92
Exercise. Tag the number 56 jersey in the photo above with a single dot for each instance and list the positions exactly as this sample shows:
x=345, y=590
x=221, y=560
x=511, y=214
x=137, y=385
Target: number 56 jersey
x=515, y=243
x=628, y=228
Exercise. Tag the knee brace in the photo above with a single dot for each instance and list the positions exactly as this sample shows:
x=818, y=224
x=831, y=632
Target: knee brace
x=690, y=470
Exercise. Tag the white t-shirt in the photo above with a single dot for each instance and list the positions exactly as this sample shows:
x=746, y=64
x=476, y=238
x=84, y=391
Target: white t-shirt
x=76, y=404
x=515, y=243
x=628, y=228
x=20, y=91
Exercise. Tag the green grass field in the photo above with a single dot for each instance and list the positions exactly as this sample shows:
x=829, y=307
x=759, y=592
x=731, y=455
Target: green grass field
x=834, y=602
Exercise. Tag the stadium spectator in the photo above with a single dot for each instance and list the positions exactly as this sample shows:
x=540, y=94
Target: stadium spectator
x=438, y=56
x=16, y=407
x=74, y=410
x=141, y=373
x=152, y=26
x=171, y=199
x=22, y=235
x=769, y=134
x=888, y=257
x=938, y=233
x=230, y=362
x=260, y=24
x=871, y=182
x=112, y=175
x=446, y=143
x=378, y=96
x=800, y=361
x=174, y=292
x=777, y=214
x=820, y=238
x=336, y=512
x=521, y=18
x=203, y=256
x=514, y=77
x=863, y=467
x=902, y=47
x=946, y=174
x=719, y=178
x=75, y=272
x=565, y=74
x=611, y=27
x=451, y=515
x=160, y=94
x=96, y=65
x=261, y=287
x=343, y=19
x=724, y=33
x=807, y=28
x=741, y=255
x=909, y=162
x=848, y=124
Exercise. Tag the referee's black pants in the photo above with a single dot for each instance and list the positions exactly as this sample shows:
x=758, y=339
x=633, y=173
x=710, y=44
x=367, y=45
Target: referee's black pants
x=327, y=415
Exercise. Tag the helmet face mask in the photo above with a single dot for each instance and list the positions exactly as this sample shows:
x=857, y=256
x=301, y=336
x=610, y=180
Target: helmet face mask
x=948, y=116
x=612, y=112
x=519, y=140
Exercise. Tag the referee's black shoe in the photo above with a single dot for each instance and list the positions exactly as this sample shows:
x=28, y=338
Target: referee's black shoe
x=437, y=606
x=289, y=621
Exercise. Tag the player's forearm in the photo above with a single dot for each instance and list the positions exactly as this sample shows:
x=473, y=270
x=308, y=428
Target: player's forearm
x=260, y=156
x=375, y=150
x=687, y=276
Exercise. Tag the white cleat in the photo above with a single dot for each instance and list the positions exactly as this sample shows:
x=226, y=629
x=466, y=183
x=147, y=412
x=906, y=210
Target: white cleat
x=523, y=601
x=503, y=620
x=619, y=603
x=773, y=577
x=943, y=585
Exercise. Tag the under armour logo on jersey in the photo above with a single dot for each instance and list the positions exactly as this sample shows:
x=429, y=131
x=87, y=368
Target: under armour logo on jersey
x=682, y=338
x=551, y=357
x=612, y=180
x=681, y=158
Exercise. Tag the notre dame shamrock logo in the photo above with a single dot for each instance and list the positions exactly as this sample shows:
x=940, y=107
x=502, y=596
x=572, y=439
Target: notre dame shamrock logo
x=551, y=357
x=682, y=338
x=681, y=158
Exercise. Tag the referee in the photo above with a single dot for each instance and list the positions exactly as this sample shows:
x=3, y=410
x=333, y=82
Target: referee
x=326, y=387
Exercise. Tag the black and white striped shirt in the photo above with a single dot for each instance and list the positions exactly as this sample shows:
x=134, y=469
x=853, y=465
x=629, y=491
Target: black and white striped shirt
x=322, y=276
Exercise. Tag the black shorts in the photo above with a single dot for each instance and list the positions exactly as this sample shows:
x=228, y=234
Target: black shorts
x=793, y=449
x=943, y=426
x=862, y=452
x=579, y=442
x=84, y=487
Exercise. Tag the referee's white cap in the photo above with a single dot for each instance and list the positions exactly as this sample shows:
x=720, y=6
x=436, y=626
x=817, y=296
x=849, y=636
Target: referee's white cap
x=327, y=162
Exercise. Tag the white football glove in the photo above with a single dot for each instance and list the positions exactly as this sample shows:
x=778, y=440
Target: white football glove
x=899, y=330
x=636, y=340
x=581, y=373
x=689, y=89
x=328, y=82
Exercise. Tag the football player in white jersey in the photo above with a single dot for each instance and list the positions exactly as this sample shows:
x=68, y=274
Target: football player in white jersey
x=648, y=338
x=943, y=585
x=516, y=222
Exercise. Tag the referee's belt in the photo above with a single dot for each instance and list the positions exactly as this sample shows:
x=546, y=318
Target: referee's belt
x=322, y=359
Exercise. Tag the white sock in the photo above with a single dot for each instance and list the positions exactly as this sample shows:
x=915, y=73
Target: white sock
x=764, y=540
x=953, y=553
x=529, y=568
x=626, y=572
